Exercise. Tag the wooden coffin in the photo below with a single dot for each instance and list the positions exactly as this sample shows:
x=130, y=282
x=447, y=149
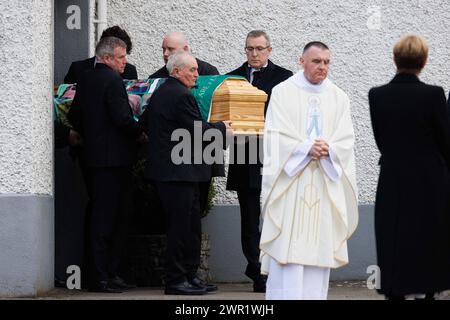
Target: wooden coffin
x=237, y=100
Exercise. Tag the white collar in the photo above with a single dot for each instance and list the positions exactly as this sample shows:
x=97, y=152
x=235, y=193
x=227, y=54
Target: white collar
x=303, y=83
x=257, y=69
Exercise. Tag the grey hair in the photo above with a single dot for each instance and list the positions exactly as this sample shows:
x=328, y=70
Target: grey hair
x=178, y=60
x=257, y=34
x=107, y=45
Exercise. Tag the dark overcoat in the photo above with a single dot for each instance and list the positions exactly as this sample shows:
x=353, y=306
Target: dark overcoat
x=412, y=228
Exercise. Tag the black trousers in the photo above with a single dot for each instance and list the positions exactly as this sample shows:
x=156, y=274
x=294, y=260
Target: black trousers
x=203, y=195
x=87, y=268
x=110, y=190
x=250, y=206
x=180, y=201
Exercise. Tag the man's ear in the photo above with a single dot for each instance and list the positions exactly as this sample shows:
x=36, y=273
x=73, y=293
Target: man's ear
x=107, y=58
x=301, y=61
x=175, y=72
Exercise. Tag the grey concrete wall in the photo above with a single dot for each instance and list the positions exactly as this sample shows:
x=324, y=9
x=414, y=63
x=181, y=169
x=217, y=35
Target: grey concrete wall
x=26, y=245
x=227, y=262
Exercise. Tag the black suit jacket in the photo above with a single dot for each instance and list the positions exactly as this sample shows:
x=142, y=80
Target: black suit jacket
x=61, y=134
x=102, y=115
x=204, y=69
x=174, y=107
x=411, y=129
x=77, y=68
x=248, y=176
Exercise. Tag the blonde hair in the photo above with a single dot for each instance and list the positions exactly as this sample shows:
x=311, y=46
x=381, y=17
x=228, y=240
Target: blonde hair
x=411, y=52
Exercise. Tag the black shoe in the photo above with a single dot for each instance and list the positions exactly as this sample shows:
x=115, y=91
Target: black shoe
x=184, y=288
x=395, y=297
x=119, y=283
x=103, y=286
x=259, y=281
x=199, y=283
x=259, y=285
x=428, y=296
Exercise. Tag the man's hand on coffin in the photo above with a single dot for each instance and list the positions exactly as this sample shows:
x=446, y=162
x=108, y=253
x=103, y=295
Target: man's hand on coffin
x=227, y=124
x=74, y=138
x=135, y=103
x=229, y=133
x=143, y=138
x=228, y=127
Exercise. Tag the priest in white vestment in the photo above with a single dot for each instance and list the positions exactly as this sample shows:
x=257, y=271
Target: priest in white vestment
x=309, y=184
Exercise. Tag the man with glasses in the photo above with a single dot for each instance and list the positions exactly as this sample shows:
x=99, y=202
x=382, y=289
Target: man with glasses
x=245, y=178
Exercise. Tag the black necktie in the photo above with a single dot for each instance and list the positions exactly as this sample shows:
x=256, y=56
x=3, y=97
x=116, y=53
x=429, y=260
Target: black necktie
x=256, y=77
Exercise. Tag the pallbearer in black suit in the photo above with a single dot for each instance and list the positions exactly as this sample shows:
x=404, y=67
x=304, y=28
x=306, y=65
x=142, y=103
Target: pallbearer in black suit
x=74, y=74
x=172, y=112
x=176, y=42
x=245, y=176
x=412, y=214
x=102, y=114
x=77, y=68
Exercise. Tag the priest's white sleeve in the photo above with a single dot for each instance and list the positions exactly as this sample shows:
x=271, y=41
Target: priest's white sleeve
x=331, y=166
x=299, y=159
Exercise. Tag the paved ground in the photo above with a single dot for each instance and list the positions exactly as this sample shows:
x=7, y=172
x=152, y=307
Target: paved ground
x=342, y=290
x=347, y=290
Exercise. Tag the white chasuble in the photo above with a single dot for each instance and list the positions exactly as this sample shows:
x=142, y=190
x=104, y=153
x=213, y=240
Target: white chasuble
x=309, y=207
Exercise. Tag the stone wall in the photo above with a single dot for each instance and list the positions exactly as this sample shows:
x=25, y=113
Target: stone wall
x=26, y=84
x=360, y=33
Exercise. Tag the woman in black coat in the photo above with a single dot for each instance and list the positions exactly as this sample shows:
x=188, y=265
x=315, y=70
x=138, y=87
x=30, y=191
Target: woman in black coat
x=412, y=132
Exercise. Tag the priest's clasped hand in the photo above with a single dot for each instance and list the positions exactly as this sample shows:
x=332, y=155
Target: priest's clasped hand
x=319, y=149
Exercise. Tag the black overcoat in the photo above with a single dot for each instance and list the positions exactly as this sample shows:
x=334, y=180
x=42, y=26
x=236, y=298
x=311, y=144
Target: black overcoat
x=412, y=228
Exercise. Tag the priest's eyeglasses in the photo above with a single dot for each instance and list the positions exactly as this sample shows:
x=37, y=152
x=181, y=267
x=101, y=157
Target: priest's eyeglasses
x=257, y=49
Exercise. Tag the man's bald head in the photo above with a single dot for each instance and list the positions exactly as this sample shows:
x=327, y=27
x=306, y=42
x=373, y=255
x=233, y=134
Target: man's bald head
x=174, y=42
